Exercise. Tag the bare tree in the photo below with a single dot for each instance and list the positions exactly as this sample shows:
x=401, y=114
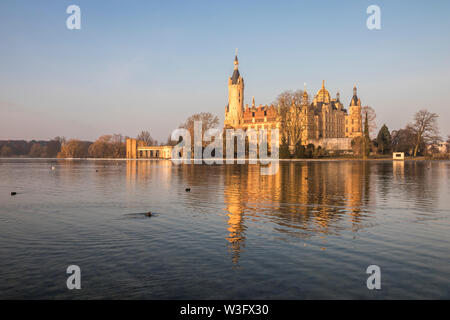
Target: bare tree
x=371, y=116
x=290, y=110
x=108, y=146
x=295, y=125
x=118, y=145
x=61, y=140
x=209, y=121
x=147, y=138
x=425, y=129
x=74, y=149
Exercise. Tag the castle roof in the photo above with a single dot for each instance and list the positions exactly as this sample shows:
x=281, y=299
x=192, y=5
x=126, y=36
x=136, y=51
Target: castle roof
x=235, y=76
x=322, y=93
x=354, y=101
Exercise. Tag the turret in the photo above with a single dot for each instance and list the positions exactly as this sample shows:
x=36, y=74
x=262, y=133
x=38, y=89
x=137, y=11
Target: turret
x=305, y=98
x=234, y=114
x=355, y=101
x=354, y=118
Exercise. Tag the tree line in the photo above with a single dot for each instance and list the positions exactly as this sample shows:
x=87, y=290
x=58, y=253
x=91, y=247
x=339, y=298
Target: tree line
x=33, y=148
x=106, y=146
x=420, y=137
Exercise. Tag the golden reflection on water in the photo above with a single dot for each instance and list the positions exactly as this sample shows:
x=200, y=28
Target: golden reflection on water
x=302, y=200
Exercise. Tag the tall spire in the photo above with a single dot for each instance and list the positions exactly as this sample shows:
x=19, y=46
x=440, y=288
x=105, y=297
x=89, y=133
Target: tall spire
x=323, y=84
x=354, y=101
x=253, y=101
x=236, y=75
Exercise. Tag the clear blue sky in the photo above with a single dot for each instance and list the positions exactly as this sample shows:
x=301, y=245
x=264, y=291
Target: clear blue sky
x=138, y=65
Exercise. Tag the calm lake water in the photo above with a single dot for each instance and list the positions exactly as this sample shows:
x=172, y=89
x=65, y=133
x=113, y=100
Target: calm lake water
x=310, y=231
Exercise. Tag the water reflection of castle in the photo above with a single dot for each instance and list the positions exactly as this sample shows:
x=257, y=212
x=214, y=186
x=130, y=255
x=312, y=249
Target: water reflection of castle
x=302, y=199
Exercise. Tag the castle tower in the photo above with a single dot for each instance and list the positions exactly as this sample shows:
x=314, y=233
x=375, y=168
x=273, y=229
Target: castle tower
x=305, y=98
x=353, y=122
x=234, y=109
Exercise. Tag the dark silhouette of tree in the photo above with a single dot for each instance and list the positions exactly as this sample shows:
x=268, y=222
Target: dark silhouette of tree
x=284, y=149
x=366, y=137
x=36, y=150
x=52, y=149
x=384, y=140
x=448, y=143
x=61, y=140
x=403, y=141
x=6, y=151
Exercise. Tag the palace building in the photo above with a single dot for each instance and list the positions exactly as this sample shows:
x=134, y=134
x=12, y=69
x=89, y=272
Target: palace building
x=325, y=121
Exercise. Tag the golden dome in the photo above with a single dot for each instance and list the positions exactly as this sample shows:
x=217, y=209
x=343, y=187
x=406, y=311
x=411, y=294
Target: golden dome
x=323, y=95
x=323, y=91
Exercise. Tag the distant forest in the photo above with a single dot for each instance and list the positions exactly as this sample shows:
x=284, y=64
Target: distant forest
x=106, y=146
x=33, y=148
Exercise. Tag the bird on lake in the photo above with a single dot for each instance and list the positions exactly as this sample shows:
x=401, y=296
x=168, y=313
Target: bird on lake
x=148, y=214
x=13, y=193
x=188, y=190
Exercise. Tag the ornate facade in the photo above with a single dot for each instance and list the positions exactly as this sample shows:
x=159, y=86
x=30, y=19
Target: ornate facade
x=324, y=121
